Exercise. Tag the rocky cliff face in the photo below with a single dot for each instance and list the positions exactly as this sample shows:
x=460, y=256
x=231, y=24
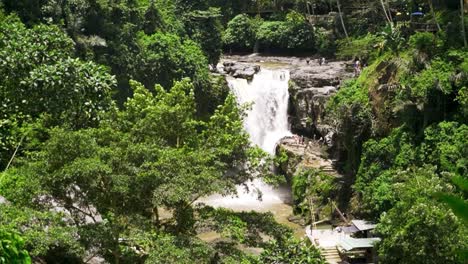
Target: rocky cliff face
x=309, y=155
x=311, y=86
x=294, y=157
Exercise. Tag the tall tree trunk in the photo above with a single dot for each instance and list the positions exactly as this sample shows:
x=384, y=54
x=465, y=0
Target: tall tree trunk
x=14, y=153
x=389, y=11
x=462, y=16
x=431, y=6
x=341, y=18
x=385, y=12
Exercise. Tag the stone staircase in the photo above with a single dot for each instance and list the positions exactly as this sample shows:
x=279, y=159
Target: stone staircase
x=328, y=169
x=331, y=255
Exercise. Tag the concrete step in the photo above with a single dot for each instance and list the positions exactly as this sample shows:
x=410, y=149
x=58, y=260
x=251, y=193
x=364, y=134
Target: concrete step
x=331, y=255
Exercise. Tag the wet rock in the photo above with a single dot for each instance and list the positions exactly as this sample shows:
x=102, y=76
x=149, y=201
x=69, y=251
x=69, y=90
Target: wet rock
x=240, y=70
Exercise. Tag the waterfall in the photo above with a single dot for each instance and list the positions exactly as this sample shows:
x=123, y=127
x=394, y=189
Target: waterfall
x=267, y=120
x=266, y=123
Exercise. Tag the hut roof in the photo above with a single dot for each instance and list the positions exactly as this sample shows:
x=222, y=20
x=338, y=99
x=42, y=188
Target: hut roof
x=350, y=243
x=363, y=225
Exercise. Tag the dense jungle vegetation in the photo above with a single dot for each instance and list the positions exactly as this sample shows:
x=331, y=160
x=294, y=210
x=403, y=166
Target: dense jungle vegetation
x=112, y=126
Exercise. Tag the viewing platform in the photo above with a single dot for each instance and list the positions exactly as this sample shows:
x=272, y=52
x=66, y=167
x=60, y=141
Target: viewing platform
x=345, y=244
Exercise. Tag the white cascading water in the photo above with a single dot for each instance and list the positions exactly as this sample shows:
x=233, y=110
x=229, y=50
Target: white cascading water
x=266, y=123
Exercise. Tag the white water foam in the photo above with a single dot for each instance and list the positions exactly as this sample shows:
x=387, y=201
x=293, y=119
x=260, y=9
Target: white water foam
x=266, y=123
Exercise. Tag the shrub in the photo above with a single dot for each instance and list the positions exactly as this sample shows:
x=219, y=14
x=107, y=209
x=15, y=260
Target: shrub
x=361, y=47
x=424, y=42
x=240, y=33
x=300, y=34
x=294, y=33
x=12, y=248
x=273, y=34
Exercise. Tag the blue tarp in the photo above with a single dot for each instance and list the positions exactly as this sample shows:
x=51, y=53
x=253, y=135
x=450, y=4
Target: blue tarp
x=417, y=14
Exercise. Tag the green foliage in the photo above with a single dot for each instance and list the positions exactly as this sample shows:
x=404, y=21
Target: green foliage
x=312, y=184
x=291, y=251
x=171, y=249
x=383, y=161
x=460, y=60
x=418, y=228
x=29, y=11
x=281, y=157
x=300, y=33
x=167, y=58
x=459, y=207
x=324, y=42
x=240, y=33
x=42, y=80
x=273, y=34
x=445, y=145
x=70, y=91
x=293, y=34
x=351, y=92
x=425, y=42
x=245, y=228
x=436, y=76
x=349, y=111
x=209, y=97
x=153, y=20
x=378, y=170
x=177, y=144
x=12, y=249
x=361, y=47
x=44, y=233
x=22, y=190
x=392, y=39
x=457, y=204
x=207, y=30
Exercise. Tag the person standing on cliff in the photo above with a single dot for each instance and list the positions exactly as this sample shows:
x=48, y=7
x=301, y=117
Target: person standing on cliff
x=324, y=61
x=357, y=68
